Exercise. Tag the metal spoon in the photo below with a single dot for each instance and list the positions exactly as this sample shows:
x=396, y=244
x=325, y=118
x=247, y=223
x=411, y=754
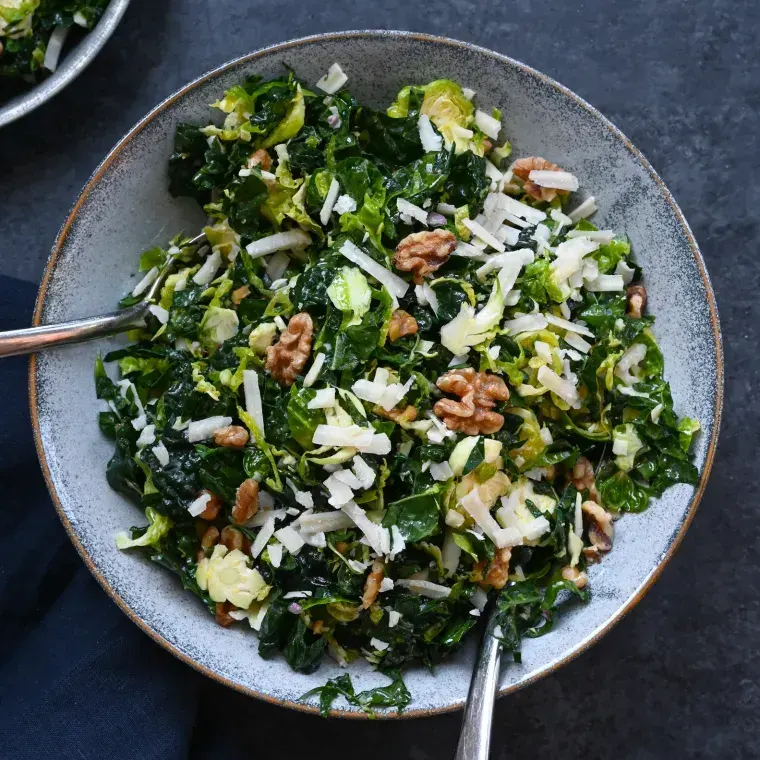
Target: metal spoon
x=475, y=737
x=33, y=339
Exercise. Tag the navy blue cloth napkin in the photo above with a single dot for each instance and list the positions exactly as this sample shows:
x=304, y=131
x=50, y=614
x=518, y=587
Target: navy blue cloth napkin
x=77, y=678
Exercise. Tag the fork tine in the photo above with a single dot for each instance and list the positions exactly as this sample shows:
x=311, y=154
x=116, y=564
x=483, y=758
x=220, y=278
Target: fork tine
x=166, y=270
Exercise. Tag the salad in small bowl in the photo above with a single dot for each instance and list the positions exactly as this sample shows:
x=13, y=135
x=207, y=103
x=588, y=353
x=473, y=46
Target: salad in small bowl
x=34, y=37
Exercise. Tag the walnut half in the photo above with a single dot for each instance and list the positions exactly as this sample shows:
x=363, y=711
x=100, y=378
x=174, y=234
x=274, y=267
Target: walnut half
x=223, y=616
x=213, y=505
x=401, y=417
x=287, y=357
x=583, y=477
x=478, y=392
x=239, y=294
x=637, y=300
x=260, y=158
x=498, y=571
x=599, y=526
x=231, y=437
x=578, y=577
x=246, y=501
x=372, y=584
x=402, y=323
x=423, y=252
x=522, y=169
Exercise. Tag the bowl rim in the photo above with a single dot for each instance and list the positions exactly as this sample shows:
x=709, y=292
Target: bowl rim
x=438, y=40
x=73, y=64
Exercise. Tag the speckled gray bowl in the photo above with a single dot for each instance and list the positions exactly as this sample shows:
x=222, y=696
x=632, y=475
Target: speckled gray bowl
x=126, y=208
x=73, y=63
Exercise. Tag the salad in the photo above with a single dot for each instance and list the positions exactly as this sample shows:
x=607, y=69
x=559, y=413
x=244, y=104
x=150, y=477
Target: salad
x=32, y=33
x=400, y=375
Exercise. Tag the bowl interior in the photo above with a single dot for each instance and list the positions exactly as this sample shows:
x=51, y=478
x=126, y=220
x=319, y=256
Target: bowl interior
x=126, y=208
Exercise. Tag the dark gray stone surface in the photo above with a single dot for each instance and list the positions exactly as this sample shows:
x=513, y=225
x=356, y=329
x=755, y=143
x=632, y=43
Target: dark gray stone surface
x=680, y=676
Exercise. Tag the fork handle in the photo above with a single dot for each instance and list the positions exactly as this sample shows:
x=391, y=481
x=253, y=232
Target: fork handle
x=33, y=339
x=475, y=738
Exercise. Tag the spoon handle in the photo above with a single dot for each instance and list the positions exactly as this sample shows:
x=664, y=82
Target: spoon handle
x=33, y=339
x=475, y=738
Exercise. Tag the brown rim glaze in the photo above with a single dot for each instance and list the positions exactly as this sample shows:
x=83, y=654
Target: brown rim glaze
x=113, y=156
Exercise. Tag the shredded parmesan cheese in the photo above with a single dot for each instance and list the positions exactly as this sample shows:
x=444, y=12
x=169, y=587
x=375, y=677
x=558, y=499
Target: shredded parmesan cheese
x=411, y=211
x=425, y=588
x=266, y=532
x=290, y=539
x=563, y=388
x=253, y=398
x=330, y=200
x=558, y=180
x=431, y=142
x=280, y=241
x=313, y=373
x=481, y=232
x=201, y=430
x=209, y=269
x=487, y=124
x=146, y=282
x=586, y=208
x=333, y=80
x=198, y=506
x=393, y=283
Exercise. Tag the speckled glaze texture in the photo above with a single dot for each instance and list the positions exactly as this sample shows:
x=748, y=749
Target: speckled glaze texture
x=72, y=65
x=126, y=208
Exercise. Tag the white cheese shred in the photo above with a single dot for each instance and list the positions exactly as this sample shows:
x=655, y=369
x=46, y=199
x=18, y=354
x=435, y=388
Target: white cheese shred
x=161, y=314
x=201, y=430
x=275, y=555
x=161, y=453
x=266, y=532
x=253, y=398
x=487, y=124
x=393, y=283
x=405, y=208
x=603, y=236
x=198, y=506
x=606, y=283
x=563, y=388
x=290, y=539
x=54, y=46
x=566, y=324
x=333, y=80
x=280, y=241
x=558, y=180
x=481, y=232
x=425, y=588
x=146, y=282
x=313, y=373
x=431, y=142
x=208, y=271
x=330, y=200
x=345, y=204
x=277, y=265
x=325, y=399
x=585, y=210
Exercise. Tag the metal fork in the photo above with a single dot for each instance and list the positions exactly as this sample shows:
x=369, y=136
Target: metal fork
x=31, y=340
x=475, y=736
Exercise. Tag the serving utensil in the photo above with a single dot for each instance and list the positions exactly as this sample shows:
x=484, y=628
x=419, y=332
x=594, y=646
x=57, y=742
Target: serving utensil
x=475, y=736
x=31, y=340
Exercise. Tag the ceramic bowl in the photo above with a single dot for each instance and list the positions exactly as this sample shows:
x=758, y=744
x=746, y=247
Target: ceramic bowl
x=73, y=63
x=126, y=208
